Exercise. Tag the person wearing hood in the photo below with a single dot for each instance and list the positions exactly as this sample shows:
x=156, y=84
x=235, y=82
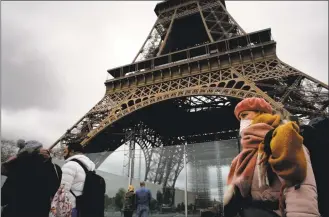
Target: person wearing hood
x=74, y=176
x=272, y=175
x=32, y=181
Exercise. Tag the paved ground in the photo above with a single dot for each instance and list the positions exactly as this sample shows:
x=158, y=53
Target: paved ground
x=118, y=214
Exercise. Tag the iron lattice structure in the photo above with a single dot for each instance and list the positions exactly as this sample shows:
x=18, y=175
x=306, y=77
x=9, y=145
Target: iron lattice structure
x=195, y=65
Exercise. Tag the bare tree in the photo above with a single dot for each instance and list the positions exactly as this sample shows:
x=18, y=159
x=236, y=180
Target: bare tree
x=8, y=149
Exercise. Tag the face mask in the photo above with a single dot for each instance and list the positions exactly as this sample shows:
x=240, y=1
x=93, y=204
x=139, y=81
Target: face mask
x=244, y=124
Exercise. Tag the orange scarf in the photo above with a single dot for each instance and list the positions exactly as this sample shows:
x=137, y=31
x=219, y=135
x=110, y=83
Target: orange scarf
x=243, y=166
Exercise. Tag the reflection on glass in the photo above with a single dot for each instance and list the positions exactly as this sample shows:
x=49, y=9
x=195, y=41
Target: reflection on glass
x=208, y=165
x=163, y=170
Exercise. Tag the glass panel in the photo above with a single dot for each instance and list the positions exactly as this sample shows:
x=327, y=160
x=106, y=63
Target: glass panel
x=163, y=171
x=208, y=165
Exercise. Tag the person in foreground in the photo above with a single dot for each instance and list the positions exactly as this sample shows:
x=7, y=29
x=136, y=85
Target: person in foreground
x=129, y=203
x=272, y=175
x=32, y=181
x=143, y=200
x=74, y=176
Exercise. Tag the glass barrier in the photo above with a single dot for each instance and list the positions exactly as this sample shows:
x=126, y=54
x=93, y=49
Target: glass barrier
x=197, y=187
x=160, y=168
x=208, y=164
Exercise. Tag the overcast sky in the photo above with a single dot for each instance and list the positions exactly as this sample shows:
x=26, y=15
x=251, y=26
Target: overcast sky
x=55, y=54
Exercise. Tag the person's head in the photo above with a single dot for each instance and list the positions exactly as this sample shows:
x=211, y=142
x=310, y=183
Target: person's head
x=72, y=149
x=131, y=188
x=32, y=146
x=249, y=108
x=142, y=184
x=28, y=146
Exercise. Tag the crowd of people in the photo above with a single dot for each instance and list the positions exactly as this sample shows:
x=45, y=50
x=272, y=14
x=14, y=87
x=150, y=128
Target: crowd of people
x=36, y=187
x=272, y=176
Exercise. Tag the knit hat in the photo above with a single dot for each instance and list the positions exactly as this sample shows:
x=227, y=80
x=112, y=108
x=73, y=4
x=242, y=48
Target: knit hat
x=252, y=104
x=28, y=146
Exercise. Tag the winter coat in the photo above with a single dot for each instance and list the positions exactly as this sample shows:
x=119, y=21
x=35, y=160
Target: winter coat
x=299, y=202
x=129, y=203
x=30, y=185
x=143, y=197
x=73, y=176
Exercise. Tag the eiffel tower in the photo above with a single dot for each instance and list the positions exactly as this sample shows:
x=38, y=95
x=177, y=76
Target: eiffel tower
x=195, y=65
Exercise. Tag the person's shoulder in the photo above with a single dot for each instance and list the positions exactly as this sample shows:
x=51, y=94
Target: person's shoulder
x=139, y=190
x=85, y=161
x=70, y=164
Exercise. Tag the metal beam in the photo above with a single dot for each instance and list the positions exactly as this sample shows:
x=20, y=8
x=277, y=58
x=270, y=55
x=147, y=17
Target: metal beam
x=163, y=44
x=205, y=24
x=147, y=38
x=293, y=86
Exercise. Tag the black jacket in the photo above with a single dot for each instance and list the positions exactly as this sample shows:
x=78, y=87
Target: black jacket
x=30, y=185
x=129, y=203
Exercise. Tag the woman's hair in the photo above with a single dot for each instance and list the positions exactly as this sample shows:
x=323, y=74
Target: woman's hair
x=131, y=188
x=75, y=147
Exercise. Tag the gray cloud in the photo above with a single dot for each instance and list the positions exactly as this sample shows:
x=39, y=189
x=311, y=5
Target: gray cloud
x=76, y=42
x=299, y=28
x=28, y=76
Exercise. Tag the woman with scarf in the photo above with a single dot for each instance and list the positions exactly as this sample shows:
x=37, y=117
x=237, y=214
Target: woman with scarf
x=272, y=175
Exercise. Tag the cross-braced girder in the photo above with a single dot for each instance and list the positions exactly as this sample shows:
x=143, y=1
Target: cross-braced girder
x=235, y=81
x=202, y=103
x=218, y=23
